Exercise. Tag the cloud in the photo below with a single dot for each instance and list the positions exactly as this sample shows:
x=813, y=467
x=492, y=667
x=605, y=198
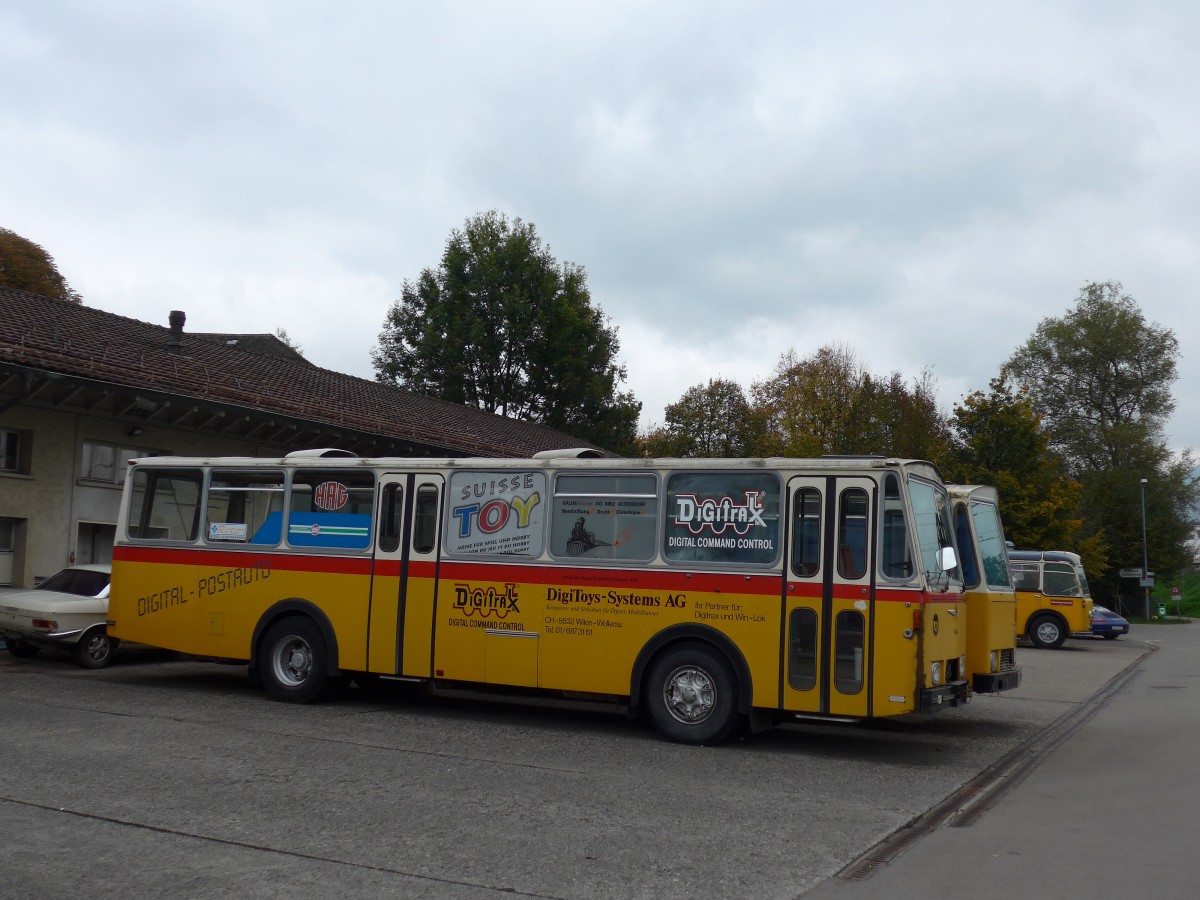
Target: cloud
x=923, y=183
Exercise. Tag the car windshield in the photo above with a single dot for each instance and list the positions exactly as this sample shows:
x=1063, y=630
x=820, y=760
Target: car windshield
x=84, y=582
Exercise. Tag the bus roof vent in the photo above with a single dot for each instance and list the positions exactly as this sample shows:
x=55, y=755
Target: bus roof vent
x=570, y=453
x=327, y=453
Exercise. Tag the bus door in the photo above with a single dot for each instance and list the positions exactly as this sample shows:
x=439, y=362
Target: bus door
x=829, y=595
x=404, y=574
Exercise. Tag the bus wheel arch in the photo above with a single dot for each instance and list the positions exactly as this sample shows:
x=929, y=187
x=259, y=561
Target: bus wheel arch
x=692, y=684
x=1047, y=631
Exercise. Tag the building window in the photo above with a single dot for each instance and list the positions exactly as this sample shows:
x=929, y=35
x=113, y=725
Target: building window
x=9, y=532
x=14, y=451
x=108, y=463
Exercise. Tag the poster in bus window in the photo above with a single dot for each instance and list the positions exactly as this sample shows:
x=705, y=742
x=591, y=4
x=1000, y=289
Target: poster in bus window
x=600, y=527
x=496, y=513
x=722, y=517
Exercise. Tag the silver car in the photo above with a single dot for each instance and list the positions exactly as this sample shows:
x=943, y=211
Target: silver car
x=67, y=611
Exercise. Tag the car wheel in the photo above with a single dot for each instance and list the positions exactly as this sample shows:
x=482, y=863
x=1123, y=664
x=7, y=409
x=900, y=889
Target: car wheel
x=1110, y=636
x=18, y=647
x=1047, y=632
x=95, y=649
x=292, y=666
x=691, y=695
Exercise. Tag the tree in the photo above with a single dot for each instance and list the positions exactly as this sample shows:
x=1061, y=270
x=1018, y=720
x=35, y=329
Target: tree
x=713, y=420
x=807, y=403
x=502, y=326
x=25, y=266
x=830, y=403
x=288, y=341
x=997, y=439
x=1100, y=377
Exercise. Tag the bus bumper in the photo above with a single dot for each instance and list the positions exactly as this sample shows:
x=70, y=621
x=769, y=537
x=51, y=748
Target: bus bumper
x=956, y=693
x=996, y=682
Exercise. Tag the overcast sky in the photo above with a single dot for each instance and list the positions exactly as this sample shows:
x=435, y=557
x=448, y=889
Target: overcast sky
x=923, y=182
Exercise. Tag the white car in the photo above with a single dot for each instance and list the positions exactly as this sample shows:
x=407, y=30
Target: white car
x=67, y=610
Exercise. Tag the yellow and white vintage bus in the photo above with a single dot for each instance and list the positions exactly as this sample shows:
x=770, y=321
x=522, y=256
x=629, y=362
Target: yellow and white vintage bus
x=1053, y=598
x=991, y=600
x=706, y=594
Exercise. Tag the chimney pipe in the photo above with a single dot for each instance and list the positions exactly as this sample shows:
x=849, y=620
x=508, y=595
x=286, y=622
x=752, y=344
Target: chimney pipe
x=175, y=338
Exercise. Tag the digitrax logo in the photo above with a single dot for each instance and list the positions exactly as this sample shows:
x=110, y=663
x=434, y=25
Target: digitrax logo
x=487, y=602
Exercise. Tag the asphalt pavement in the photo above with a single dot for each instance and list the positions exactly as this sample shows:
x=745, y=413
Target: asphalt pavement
x=174, y=778
x=1105, y=806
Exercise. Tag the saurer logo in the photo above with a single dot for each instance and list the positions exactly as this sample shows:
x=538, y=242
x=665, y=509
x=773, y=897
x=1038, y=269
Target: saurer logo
x=486, y=602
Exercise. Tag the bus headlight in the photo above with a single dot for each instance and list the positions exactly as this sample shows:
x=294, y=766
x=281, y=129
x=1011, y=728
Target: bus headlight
x=994, y=661
x=935, y=672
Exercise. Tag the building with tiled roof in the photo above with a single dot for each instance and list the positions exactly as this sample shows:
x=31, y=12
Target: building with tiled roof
x=81, y=390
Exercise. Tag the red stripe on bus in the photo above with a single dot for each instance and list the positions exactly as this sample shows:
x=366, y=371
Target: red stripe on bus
x=227, y=559
x=765, y=584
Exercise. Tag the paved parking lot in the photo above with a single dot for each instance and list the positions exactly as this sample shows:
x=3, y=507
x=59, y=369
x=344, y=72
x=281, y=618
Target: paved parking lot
x=172, y=778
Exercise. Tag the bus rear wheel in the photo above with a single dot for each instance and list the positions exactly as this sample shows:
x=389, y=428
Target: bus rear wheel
x=691, y=695
x=293, y=661
x=1047, y=632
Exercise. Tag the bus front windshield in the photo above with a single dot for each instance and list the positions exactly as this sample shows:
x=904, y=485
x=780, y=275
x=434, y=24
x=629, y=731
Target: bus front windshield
x=931, y=517
x=991, y=544
x=1083, y=581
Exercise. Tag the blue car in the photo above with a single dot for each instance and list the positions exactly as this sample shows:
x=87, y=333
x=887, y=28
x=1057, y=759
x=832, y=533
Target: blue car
x=1107, y=624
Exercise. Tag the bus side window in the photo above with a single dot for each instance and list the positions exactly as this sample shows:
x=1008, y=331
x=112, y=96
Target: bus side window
x=391, y=515
x=806, y=532
x=802, y=656
x=425, y=519
x=852, y=534
x=331, y=508
x=1026, y=577
x=244, y=506
x=1060, y=581
x=848, y=652
x=966, y=546
x=894, y=556
x=164, y=504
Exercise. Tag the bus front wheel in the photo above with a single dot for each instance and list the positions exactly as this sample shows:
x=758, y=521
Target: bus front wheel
x=1047, y=632
x=293, y=661
x=691, y=695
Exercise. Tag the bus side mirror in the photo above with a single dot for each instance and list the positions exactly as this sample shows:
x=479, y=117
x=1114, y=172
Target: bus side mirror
x=946, y=559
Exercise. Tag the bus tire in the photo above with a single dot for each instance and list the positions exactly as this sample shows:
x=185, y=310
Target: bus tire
x=1047, y=632
x=691, y=695
x=293, y=661
x=95, y=649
